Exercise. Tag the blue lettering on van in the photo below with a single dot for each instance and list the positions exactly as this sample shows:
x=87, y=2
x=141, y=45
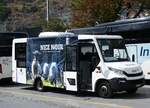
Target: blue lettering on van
x=144, y=52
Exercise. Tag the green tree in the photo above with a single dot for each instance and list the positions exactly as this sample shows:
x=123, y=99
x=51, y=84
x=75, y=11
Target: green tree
x=54, y=24
x=134, y=9
x=3, y=10
x=90, y=12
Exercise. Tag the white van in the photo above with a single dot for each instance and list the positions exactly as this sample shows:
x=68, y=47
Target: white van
x=96, y=63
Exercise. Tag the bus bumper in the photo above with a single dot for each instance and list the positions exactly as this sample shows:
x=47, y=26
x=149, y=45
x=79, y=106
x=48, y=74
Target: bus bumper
x=121, y=84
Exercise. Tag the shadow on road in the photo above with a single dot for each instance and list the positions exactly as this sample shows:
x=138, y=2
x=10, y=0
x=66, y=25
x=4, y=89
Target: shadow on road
x=8, y=83
x=63, y=91
x=142, y=93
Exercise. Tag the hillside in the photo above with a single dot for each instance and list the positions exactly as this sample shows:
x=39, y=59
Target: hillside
x=29, y=13
x=19, y=15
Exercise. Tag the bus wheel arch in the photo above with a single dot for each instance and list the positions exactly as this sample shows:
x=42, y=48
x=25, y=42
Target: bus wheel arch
x=38, y=84
x=103, y=88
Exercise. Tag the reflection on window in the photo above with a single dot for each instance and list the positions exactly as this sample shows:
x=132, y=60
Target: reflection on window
x=113, y=50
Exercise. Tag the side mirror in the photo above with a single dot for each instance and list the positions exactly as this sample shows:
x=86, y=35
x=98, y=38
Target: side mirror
x=98, y=67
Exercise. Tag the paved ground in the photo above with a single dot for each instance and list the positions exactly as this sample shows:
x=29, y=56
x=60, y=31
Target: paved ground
x=19, y=96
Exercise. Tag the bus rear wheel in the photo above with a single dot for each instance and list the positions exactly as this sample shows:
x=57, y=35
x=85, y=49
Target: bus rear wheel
x=104, y=90
x=39, y=85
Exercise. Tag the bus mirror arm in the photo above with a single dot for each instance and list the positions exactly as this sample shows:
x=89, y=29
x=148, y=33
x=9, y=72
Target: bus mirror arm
x=98, y=67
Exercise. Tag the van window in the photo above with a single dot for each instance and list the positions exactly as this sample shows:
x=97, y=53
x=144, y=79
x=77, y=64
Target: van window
x=20, y=54
x=71, y=58
x=88, y=53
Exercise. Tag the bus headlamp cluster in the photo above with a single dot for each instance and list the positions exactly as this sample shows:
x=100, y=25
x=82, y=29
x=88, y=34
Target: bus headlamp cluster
x=117, y=71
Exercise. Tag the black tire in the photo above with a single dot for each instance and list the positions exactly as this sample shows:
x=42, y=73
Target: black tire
x=147, y=82
x=132, y=91
x=104, y=90
x=39, y=85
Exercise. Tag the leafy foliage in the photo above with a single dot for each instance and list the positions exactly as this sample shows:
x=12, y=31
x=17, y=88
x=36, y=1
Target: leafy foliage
x=3, y=10
x=134, y=9
x=54, y=24
x=90, y=12
x=20, y=14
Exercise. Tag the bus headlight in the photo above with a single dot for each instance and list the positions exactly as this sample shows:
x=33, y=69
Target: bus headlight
x=117, y=71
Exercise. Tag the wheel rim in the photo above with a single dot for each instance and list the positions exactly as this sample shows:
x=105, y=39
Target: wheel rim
x=103, y=91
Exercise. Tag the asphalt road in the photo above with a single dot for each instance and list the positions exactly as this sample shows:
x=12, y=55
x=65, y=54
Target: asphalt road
x=21, y=96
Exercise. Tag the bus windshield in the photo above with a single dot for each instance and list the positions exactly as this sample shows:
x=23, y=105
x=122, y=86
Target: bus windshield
x=113, y=50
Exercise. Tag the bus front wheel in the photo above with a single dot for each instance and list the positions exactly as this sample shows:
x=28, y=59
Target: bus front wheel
x=104, y=90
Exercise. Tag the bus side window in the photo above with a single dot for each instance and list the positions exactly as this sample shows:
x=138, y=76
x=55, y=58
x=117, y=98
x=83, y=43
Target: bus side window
x=20, y=54
x=89, y=54
x=71, y=58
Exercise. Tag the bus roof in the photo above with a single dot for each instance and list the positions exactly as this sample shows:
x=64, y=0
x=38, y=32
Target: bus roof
x=12, y=35
x=7, y=37
x=130, y=28
x=55, y=34
x=86, y=37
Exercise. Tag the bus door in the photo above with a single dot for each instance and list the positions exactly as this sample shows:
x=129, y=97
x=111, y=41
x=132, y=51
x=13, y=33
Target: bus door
x=132, y=52
x=71, y=68
x=20, y=62
x=88, y=60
